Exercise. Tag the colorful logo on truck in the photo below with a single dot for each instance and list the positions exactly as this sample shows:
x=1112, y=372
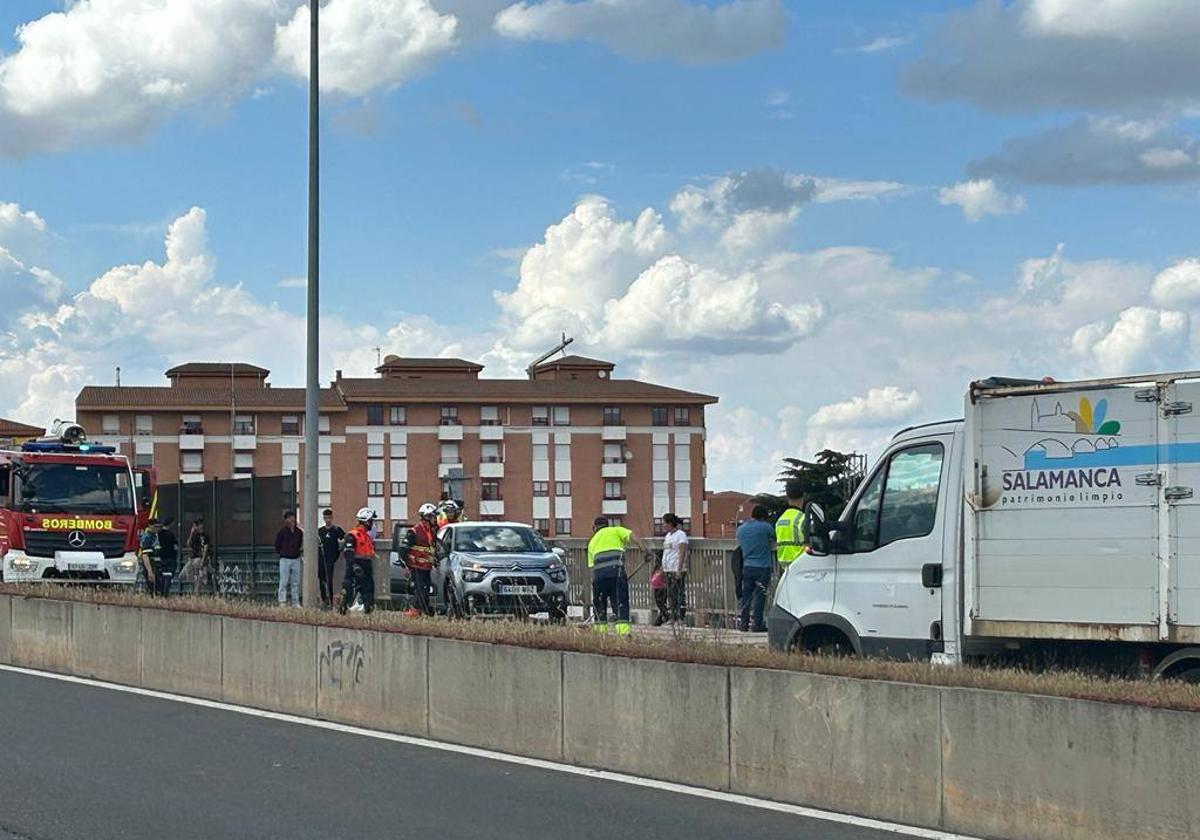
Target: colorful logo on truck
x=1094, y=421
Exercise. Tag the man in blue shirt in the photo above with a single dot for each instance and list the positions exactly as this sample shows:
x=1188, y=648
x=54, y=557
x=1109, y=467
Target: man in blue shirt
x=756, y=539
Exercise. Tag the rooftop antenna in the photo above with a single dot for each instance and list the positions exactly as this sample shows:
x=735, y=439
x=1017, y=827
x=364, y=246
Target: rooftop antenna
x=562, y=346
x=118, y=376
x=378, y=356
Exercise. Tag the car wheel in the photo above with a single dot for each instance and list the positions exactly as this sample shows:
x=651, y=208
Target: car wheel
x=450, y=596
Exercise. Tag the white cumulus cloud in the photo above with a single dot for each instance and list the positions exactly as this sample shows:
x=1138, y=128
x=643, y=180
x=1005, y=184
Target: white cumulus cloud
x=1140, y=340
x=981, y=198
x=693, y=33
x=1178, y=286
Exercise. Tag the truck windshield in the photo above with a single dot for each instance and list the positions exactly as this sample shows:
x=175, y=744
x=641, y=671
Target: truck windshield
x=498, y=539
x=74, y=488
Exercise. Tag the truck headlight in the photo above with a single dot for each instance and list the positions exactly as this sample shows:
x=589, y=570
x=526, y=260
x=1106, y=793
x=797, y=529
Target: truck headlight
x=127, y=565
x=23, y=564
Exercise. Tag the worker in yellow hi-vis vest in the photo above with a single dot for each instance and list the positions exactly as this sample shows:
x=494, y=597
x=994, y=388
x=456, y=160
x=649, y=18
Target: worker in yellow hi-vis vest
x=789, y=528
x=610, y=585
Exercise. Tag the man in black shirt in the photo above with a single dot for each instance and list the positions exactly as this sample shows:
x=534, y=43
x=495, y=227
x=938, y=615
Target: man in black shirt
x=168, y=558
x=331, y=537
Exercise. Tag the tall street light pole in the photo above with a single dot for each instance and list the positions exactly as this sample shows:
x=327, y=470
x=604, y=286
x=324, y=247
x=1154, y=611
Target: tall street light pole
x=312, y=391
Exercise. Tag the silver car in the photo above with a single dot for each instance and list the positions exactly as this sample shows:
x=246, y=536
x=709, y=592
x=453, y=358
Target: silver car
x=498, y=568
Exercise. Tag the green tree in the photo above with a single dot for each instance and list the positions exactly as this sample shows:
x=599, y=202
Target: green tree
x=829, y=480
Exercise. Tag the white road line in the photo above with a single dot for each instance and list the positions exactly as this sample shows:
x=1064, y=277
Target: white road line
x=538, y=763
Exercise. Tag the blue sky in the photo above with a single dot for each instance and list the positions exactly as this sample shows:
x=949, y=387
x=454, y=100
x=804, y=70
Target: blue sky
x=441, y=175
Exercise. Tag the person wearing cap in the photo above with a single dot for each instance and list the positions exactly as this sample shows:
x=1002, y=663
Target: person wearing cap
x=789, y=528
x=610, y=585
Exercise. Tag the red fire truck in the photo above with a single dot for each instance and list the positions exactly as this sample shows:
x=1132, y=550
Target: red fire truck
x=71, y=511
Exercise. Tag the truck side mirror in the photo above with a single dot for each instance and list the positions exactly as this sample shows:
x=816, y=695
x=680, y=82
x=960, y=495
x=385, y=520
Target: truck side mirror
x=816, y=529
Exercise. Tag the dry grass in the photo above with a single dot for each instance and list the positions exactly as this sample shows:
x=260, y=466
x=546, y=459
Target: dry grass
x=1070, y=684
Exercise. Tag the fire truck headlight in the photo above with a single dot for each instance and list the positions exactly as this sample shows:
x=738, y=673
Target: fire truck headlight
x=23, y=564
x=127, y=565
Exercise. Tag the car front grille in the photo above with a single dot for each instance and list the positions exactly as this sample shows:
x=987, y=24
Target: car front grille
x=46, y=543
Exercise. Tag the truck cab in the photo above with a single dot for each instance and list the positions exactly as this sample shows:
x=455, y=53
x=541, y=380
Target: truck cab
x=880, y=581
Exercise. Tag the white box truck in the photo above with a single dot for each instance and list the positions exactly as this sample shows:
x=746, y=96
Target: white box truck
x=1055, y=519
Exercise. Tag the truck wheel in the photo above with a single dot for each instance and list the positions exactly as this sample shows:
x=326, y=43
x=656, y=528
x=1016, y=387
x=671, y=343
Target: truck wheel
x=1188, y=675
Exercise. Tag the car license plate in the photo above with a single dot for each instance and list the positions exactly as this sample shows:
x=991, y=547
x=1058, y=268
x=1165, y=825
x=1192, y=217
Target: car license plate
x=80, y=567
x=518, y=590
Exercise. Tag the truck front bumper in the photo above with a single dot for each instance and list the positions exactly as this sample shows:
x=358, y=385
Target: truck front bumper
x=68, y=566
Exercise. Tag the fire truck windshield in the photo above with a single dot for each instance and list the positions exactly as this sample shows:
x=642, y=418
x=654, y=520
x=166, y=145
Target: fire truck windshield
x=74, y=488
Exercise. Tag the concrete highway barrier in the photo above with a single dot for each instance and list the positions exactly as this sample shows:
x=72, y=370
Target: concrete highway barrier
x=666, y=720
x=983, y=763
x=269, y=665
x=496, y=696
x=41, y=634
x=375, y=680
x=5, y=629
x=181, y=652
x=106, y=643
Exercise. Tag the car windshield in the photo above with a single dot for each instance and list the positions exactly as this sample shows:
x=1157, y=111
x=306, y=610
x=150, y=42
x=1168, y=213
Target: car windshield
x=74, y=488
x=498, y=539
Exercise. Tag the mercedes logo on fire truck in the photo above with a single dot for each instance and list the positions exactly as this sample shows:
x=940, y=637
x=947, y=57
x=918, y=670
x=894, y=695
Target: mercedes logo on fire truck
x=76, y=539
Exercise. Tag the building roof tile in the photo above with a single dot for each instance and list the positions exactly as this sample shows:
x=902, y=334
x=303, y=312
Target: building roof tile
x=515, y=390
x=216, y=369
x=11, y=428
x=98, y=397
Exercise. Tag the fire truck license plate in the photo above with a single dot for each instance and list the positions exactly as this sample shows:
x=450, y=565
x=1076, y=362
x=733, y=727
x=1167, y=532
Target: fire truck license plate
x=80, y=567
x=518, y=590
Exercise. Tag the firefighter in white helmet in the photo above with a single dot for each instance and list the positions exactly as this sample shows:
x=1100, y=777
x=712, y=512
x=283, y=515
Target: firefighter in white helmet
x=417, y=552
x=359, y=550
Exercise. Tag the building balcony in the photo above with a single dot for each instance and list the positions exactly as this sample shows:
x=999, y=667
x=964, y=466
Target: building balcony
x=444, y=469
x=613, y=433
x=491, y=433
x=191, y=443
x=491, y=508
x=614, y=507
x=244, y=442
x=454, y=432
x=494, y=469
x=615, y=470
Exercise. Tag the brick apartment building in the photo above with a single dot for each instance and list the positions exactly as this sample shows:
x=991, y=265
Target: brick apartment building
x=13, y=433
x=554, y=450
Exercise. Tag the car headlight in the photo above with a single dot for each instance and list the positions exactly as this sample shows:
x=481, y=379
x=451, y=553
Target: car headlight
x=474, y=574
x=558, y=575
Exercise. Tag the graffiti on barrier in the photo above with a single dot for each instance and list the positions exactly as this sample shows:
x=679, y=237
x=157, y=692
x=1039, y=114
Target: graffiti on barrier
x=343, y=663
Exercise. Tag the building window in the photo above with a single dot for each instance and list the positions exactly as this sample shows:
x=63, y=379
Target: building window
x=541, y=415
x=683, y=489
x=449, y=415
x=243, y=424
x=562, y=452
x=541, y=452
x=191, y=462
x=243, y=463
x=489, y=491
x=562, y=488
x=489, y=415
x=397, y=415
x=614, y=453
x=658, y=416
x=290, y=425
x=562, y=415
x=613, y=490
x=323, y=424
x=660, y=527
x=542, y=526
x=541, y=488
x=616, y=521
x=111, y=424
x=683, y=416
x=399, y=489
x=490, y=453
x=374, y=450
x=450, y=453
x=661, y=452
x=685, y=522
x=661, y=490
x=374, y=415
x=191, y=425
x=683, y=452
x=562, y=527
x=612, y=416
x=144, y=424
x=375, y=489
x=324, y=500
x=143, y=460
x=399, y=451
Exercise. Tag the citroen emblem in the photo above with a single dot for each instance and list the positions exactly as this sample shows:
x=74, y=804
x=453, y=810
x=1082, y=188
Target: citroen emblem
x=516, y=567
x=77, y=539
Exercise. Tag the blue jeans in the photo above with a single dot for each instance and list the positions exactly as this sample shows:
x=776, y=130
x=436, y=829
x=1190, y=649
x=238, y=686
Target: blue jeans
x=755, y=581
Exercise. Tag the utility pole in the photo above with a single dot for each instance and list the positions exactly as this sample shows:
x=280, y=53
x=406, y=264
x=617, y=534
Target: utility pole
x=312, y=408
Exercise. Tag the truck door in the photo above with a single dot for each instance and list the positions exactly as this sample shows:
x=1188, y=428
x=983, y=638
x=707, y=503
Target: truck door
x=1180, y=412
x=896, y=530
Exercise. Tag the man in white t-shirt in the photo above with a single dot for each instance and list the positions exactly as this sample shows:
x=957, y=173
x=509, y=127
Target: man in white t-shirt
x=675, y=564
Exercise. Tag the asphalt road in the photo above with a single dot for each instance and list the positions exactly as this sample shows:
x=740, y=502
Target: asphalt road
x=83, y=762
